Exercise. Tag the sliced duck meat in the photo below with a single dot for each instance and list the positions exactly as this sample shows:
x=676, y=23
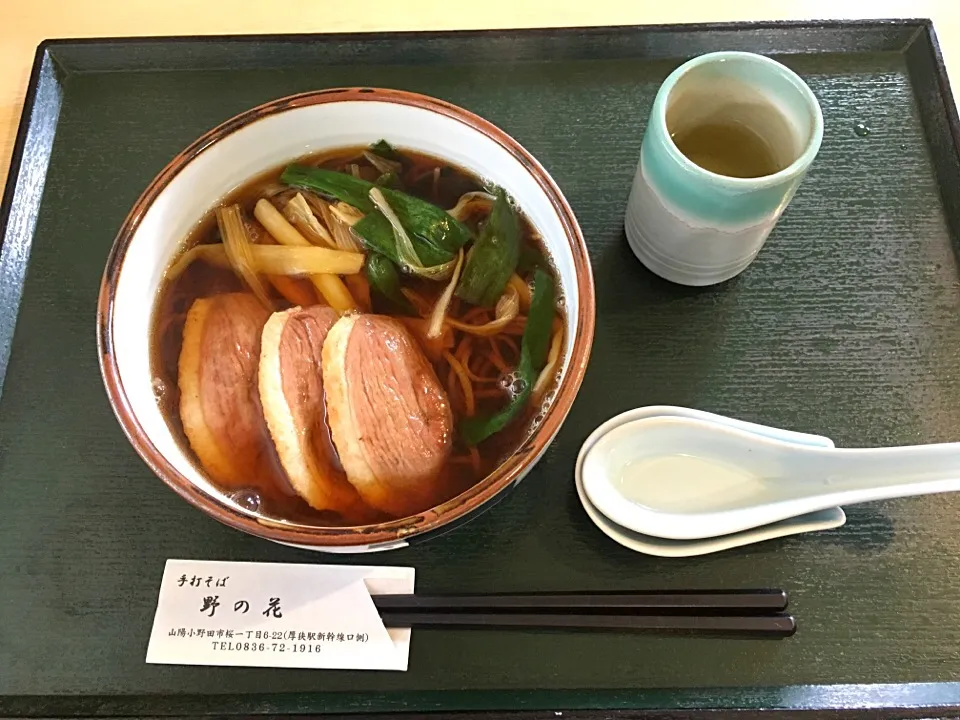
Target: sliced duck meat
x=219, y=401
x=292, y=397
x=389, y=416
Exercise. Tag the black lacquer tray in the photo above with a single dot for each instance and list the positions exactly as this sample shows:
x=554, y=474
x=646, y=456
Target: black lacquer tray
x=848, y=325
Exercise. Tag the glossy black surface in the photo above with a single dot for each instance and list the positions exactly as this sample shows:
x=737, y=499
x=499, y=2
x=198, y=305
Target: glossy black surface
x=848, y=324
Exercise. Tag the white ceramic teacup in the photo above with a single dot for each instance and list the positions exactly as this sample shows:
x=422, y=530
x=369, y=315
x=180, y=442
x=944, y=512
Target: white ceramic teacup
x=694, y=226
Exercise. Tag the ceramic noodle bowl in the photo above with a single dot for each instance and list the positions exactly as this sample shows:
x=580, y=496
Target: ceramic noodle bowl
x=264, y=139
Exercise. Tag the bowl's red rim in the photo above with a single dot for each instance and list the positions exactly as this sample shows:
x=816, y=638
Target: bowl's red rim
x=508, y=473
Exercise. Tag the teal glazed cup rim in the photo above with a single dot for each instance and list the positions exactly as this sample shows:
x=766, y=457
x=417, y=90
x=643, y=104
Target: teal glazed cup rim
x=799, y=165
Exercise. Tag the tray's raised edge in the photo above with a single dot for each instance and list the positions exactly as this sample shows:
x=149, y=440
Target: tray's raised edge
x=940, y=120
x=261, y=51
x=914, y=24
x=18, y=211
x=908, y=700
x=24, y=189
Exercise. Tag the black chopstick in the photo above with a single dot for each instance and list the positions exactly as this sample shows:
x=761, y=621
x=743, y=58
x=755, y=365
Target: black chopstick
x=753, y=625
x=745, y=601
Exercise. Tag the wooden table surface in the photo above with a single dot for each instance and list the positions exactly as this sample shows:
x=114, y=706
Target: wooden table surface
x=25, y=23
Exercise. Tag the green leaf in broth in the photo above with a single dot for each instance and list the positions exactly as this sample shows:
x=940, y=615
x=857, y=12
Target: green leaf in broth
x=536, y=333
x=533, y=355
x=493, y=257
x=385, y=282
x=330, y=183
x=530, y=259
x=377, y=234
x=432, y=226
x=389, y=180
x=476, y=429
x=385, y=150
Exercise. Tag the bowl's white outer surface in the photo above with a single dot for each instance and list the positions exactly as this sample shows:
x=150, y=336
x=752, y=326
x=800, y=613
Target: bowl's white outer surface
x=268, y=143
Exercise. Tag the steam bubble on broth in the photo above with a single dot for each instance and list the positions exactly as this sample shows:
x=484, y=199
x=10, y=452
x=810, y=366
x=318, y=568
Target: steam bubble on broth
x=475, y=360
x=247, y=498
x=159, y=388
x=512, y=384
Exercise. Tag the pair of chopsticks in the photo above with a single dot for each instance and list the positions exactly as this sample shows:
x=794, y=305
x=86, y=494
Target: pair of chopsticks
x=737, y=612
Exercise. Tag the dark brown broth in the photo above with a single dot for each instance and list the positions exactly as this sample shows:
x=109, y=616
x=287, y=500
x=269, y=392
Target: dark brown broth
x=203, y=280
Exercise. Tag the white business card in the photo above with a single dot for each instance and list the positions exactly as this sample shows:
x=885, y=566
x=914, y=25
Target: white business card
x=277, y=615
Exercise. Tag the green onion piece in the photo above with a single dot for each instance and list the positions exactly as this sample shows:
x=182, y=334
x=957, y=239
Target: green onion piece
x=533, y=355
x=530, y=259
x=385, y=150
x=377, y=234
x=474, y=430
x=237, y=245
x=493, y=257
x=423, y=221
x=346, y=188
x=385, y=282
x=381, y=165
x=389, y=180
x=431, y=224
x=409, y=260
x=536, y=333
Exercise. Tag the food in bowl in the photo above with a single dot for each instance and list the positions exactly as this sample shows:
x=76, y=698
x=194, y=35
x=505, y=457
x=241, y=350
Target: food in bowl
x=152, y=250
x=356, y=336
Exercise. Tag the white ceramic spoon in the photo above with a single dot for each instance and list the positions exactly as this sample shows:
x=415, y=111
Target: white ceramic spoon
x=685, y=479
x=649, y=545
x=661, y=547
